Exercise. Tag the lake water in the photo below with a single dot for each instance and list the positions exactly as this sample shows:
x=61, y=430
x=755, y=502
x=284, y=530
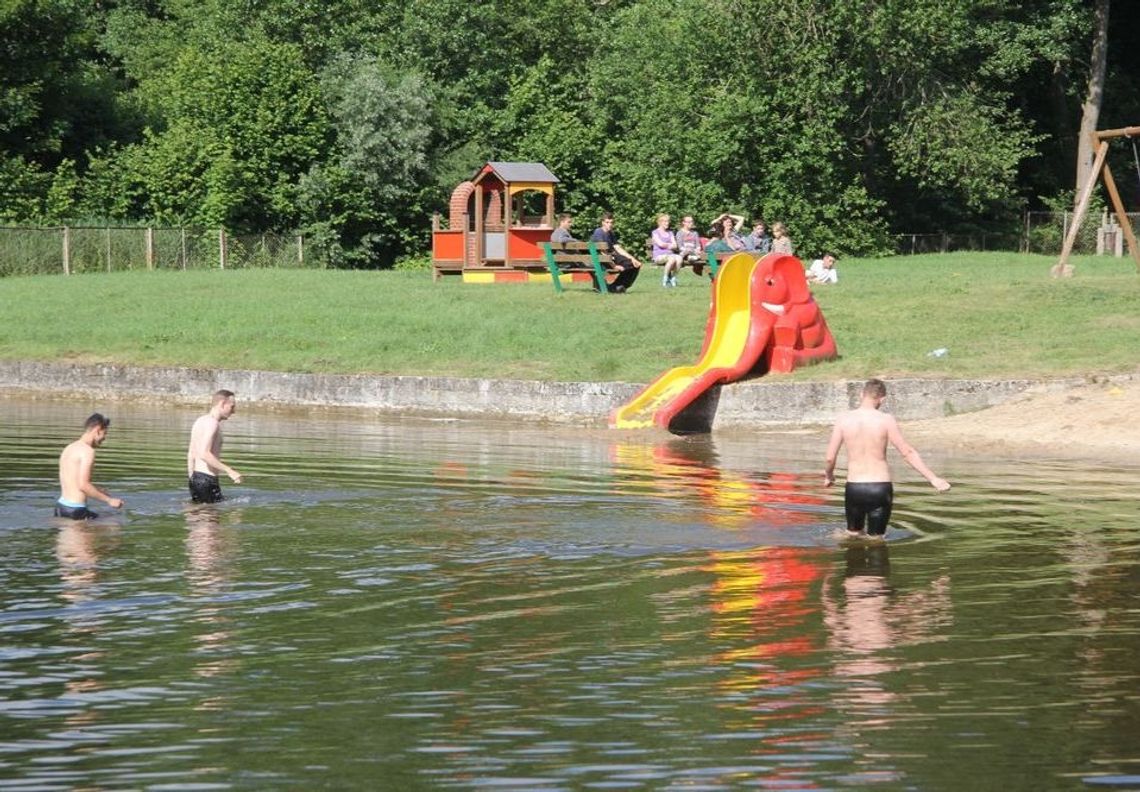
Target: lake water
x=411, y=604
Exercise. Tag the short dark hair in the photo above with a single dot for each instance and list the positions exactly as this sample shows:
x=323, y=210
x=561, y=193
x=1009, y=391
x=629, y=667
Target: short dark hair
x=876, y=388
x=221, y=396
x=564, y=216
x=96, y=421
x=607, y=216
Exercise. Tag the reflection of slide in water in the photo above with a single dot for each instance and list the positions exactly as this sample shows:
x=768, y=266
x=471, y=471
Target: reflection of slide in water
x=763, y=614
x=776, y=500
x=762, y=318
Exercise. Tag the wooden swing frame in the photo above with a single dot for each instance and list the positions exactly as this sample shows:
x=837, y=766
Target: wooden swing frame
x=1100, y=139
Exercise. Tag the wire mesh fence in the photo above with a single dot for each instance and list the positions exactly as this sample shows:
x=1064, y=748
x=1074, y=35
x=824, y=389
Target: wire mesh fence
x=1045, y=233
x=26, y=250
x=913, y=244
x=1040, y=232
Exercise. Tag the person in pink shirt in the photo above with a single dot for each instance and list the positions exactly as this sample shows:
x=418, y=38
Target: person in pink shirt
x=665, y=250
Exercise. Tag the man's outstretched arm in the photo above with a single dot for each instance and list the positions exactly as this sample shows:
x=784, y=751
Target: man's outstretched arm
x=913, y=458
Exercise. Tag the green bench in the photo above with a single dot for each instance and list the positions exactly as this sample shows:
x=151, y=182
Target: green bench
x=594, y=258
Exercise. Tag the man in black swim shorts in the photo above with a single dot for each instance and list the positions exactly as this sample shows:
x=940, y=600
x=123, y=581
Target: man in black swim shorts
x=75, y=466
x=869, y=494
x=868, y=503
x=203, y=458
x=204, y=488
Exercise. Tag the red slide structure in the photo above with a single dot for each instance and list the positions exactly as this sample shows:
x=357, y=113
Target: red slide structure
x=763, y=318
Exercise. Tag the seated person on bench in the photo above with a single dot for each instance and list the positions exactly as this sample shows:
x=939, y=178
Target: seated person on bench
x=562, y=232
x=689, y=244
x=628, y=266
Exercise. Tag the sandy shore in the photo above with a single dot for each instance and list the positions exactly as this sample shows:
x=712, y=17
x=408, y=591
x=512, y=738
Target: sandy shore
x=1100, y=420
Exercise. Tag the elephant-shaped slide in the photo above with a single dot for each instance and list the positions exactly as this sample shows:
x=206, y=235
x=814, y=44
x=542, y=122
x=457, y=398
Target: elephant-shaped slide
x=763, y=318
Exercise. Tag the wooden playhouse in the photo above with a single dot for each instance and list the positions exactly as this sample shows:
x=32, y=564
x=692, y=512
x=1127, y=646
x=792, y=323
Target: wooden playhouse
x=497, y=219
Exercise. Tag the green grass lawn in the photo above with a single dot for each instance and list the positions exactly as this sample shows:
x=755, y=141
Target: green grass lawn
x=999, y=314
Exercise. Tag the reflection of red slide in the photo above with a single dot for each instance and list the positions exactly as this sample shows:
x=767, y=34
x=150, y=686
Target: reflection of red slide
x=774, y=500
x=763, y=317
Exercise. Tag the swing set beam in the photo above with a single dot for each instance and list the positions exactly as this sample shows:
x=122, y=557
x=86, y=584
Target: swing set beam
x=1062, y=269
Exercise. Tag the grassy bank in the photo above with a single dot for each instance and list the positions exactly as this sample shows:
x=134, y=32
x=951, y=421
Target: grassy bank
x=998, y=314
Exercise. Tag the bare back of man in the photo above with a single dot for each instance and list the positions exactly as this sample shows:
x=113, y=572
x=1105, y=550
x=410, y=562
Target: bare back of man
x=866, y=432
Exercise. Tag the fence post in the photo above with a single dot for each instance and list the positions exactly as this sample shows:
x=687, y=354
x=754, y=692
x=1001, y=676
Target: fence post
x=66, y=250
x=300, y=251
x=149, y=236
x=222, y=247
x=182, y=234
x=107, y=237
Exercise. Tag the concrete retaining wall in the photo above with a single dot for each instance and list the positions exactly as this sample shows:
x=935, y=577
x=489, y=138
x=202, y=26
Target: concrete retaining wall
x=742, y=404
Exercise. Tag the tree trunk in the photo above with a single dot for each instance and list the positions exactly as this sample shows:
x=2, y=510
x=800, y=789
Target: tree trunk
x=1090, y=110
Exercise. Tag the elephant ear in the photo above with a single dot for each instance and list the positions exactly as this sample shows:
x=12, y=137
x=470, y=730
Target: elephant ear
x=792, y=271
x=768, y=285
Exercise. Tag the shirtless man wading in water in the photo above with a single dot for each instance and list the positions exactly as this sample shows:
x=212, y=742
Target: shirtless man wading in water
x=869, y=494
x=75, y=465
x=203, y=459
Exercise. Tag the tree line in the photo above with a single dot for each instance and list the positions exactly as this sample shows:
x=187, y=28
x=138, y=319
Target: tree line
x=351, y=120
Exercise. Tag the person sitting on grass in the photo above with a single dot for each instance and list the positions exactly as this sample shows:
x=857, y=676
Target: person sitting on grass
x=822, y=270
x=665, y=251
x=628, y=266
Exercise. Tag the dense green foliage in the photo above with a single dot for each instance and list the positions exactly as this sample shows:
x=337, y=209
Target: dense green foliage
x=998, y=314
x=352, y=121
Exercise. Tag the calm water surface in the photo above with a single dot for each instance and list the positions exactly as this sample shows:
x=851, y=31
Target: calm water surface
x=402, y=604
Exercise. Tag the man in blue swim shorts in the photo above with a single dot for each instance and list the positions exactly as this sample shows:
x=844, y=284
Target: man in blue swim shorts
x=75, y=466
x=203, y=458
x=869, y=493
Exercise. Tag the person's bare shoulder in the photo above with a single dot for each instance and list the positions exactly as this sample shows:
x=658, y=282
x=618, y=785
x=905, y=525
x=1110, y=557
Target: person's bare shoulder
x=78, y=448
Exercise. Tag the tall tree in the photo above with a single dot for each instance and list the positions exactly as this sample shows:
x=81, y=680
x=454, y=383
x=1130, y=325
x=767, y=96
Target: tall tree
x=360, y=201
x=1094, y=94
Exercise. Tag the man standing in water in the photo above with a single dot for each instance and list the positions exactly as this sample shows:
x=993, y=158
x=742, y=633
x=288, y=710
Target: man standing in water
x=869, y=494
x=203, y=459
x=75, y=465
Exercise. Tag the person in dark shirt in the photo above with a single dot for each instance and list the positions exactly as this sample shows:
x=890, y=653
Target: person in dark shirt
x=627, y=265
x=759, y=240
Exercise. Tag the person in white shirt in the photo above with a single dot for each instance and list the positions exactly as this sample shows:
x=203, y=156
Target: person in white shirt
x=822, y=270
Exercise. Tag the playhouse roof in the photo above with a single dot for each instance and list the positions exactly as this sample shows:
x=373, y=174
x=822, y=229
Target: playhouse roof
x=520, y=172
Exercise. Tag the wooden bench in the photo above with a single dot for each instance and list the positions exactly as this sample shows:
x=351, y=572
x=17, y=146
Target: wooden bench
x=685, y=261
x=594, y=258
x=711, y=260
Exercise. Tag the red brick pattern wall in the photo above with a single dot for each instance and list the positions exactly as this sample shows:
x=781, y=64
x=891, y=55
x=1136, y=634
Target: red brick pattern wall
x=494, y=216
x=458, y=206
